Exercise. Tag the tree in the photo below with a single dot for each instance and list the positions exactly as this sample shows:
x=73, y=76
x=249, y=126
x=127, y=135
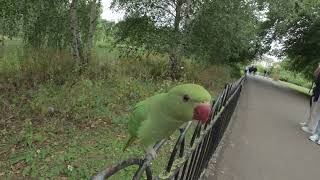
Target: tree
x=169, y=17
x=105, y=31
x=224, y=32
x=10, y=19
x=55, y=24
x=45, y=23
x=296, y=25
x=141, y=31
x=217, y=31
x=82, y=46
x=303, y=44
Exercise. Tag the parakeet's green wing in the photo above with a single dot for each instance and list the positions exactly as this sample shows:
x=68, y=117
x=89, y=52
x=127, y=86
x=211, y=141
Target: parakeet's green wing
x=140, y=114
x=135, y=122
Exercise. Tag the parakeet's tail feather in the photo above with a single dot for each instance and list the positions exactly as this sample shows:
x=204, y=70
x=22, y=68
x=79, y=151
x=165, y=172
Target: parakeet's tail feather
x=129, y=142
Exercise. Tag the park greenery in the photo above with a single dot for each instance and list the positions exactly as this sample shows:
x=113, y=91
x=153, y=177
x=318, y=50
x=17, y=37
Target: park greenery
x=296, y=24
x=69, y=79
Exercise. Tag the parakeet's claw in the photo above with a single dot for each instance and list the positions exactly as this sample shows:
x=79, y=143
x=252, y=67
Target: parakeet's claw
x=152, y=152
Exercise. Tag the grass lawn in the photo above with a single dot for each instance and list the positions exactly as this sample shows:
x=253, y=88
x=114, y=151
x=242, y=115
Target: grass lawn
x=296, y=87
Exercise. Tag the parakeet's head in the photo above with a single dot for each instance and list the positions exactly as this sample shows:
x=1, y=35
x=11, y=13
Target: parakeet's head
x=189, y=101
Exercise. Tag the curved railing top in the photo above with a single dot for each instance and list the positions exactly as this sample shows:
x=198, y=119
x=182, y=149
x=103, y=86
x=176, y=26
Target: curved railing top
x=187, y=161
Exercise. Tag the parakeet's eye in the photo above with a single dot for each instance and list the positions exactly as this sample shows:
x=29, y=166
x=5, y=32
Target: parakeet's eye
x=186, y=98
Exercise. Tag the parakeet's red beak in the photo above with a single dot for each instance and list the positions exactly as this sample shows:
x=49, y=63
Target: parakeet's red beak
x=201, y=112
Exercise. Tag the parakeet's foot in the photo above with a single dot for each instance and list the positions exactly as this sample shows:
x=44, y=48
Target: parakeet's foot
x=152, y=152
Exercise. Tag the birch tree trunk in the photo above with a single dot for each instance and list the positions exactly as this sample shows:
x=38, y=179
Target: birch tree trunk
x=175, y=54
x=92, y=28
x=81, y=50
x=76, y=39
x=2, y=30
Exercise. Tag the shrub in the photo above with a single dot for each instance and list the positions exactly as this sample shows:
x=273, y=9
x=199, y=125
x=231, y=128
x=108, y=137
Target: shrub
x=294, y=78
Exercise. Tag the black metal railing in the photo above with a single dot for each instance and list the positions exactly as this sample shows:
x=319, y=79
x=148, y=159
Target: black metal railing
x=188, y=161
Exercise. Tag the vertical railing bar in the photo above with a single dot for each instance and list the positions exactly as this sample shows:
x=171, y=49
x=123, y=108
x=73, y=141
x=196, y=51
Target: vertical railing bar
x=211, y=140
x=199, y=162
x=177, y=145
x=184, y=169
x=195, y=160
x=222, y=99
x=211, y=114
x=177, y=175
x=147, y=161
x=203, y=153
x=190, y=164
x=194, y=167
x=182, y=146
x=148, y=173
x=195, y=134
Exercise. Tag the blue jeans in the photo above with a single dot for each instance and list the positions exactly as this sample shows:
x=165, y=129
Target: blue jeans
x=317, y=130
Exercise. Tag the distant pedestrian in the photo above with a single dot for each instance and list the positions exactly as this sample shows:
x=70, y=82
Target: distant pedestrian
x=250, y=69
x=313, y=118
x=246, y=70
x=254, y=69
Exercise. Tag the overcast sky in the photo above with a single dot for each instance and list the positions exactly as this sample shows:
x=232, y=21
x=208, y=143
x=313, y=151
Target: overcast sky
x=108, y=14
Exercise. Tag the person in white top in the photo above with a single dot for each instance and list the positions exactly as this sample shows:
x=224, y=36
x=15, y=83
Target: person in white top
x=310, y=125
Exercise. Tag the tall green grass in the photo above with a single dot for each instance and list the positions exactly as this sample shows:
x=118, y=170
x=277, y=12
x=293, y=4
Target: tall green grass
x=285, y=75
x=294, y=78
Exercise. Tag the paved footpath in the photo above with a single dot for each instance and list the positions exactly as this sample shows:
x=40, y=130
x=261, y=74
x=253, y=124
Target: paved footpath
x=266, y=142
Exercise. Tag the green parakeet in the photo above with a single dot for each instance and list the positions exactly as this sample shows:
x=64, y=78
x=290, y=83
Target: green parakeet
x=157, y=117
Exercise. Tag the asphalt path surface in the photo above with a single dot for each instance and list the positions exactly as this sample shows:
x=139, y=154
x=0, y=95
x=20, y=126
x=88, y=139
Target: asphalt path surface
x=265, y=141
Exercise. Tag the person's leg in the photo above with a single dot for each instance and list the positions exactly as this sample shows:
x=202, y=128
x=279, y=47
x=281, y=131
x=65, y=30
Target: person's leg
x=308, y=119
x=315, y=117
x=318, y=132
x=315, y=137
x=318, y=129
x=315, y=126
x=310, y=114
